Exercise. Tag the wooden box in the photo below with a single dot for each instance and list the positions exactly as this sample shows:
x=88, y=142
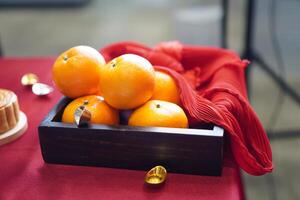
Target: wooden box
x=191, y=151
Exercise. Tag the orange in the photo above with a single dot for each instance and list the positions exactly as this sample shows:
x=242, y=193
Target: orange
x=165, y=88
x=101, y=112
x=76, y=72
x=159, y=113
x=127, y=81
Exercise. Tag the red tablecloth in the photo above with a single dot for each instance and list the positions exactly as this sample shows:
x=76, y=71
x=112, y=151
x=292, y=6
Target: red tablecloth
x=24, y=175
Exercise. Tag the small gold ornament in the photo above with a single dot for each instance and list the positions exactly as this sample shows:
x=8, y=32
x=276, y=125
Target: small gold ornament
x=29, y=79
x=156, y=175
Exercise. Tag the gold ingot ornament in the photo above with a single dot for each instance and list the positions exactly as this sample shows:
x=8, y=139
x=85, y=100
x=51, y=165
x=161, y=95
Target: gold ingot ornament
x=155, y=176
x=29, y=79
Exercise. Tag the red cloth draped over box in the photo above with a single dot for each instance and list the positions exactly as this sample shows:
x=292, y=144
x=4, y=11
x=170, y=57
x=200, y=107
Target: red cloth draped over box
x=212, y=89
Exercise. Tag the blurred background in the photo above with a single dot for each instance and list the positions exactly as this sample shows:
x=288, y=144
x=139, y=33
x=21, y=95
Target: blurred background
x=50, y=27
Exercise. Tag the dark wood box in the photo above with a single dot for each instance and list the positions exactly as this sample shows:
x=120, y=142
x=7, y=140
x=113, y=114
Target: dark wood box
x=191, y=151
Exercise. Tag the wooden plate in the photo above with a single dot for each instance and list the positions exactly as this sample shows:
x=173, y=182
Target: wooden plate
x=16, y=132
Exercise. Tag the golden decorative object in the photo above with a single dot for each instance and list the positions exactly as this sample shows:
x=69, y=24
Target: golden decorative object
x=156, y=175
x=29, y=79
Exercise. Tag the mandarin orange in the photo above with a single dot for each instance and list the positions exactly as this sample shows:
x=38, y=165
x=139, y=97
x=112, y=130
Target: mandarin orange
x=159, y=113
x=165, y=88
x=76, y=72
x=127, y=81
x=101, y=112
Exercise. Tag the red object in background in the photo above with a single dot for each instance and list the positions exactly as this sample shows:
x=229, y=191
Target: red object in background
x=212, y=89
x=25, y=176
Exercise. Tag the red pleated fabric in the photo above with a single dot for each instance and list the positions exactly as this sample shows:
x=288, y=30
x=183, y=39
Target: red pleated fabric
x=212, y=90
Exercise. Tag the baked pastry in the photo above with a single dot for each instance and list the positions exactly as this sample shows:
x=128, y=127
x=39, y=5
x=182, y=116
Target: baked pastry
x=9, y=110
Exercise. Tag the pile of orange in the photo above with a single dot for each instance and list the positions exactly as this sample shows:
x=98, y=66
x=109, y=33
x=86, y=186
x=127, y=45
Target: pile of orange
x=128, y=82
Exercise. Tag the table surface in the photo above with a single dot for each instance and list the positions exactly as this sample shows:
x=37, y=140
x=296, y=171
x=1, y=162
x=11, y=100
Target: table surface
x=24, y=175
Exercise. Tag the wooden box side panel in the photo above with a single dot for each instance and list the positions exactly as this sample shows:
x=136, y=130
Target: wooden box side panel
x=132, y=150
